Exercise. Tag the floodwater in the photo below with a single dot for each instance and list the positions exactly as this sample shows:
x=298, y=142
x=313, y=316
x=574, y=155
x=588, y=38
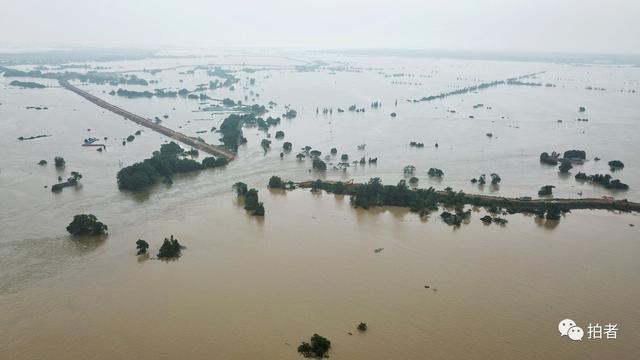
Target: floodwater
x=255, y=288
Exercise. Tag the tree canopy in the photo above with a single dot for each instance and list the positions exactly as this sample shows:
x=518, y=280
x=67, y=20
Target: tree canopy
x=86, y=224
x=316, y=348
x=170, y=248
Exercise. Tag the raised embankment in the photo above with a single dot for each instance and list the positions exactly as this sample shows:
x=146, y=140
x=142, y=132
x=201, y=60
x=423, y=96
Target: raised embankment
x=511, y=204
x=195, y=143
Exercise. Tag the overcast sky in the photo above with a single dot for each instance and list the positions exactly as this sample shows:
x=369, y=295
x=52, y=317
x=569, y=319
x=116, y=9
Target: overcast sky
x=594, y=26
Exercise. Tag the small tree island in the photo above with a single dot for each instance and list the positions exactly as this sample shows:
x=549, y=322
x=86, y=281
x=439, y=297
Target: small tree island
x=86, y=224
x=317, y=348
x=170, y=248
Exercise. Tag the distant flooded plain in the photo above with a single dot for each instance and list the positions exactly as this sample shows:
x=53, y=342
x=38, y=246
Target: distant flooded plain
x=250, y=287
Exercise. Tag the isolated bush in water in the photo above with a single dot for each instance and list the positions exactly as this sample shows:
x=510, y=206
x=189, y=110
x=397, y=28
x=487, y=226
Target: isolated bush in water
x=86, y=224
x=317, y=348
x=142, y=246
x=170, y=248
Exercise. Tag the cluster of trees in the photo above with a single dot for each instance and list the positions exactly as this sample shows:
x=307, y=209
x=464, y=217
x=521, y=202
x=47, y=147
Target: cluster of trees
x=549, y=159
x=276, y=182
x=435, y=172
x=475, y=88
x=142, y=246
x=27, y=84
x=603, y=179
x=260, y=122
x=251, y=200
x=575, y=154
x=355, y=108
x=240, y=188
x=456, y=219
x=231, y=130
x=423, y=201
x=409, y=170
x=290, y=114
x=546, y=190
x=131, y=94
x=86, y=224
x=170, y=248
x=287, y=146
x=319, y=164
x=550, y=211
x=94, y=77
x=565, y=166
x=482, y=179
x=374, y=193
x=487, y=219
x=616, y=165
x=227, y=75
x=59, y=161
x=162, y=164
x=316, y=348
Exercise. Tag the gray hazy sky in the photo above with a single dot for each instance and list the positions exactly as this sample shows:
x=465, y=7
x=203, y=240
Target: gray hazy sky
x=500, y=25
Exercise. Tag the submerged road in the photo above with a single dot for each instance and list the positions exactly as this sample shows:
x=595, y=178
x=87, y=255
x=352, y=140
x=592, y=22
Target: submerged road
x=520, y=204
x=195, y=143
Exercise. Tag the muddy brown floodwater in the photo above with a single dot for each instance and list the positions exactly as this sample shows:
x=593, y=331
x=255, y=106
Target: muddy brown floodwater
x=248, y=288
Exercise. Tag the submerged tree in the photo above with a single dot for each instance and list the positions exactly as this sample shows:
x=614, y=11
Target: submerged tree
x=142, y=246
x=86, y=224
x=616, y=165
x=409, y=170
x=495, y=179
x=435, y=172
x=317, y=348
x=565, y=166
x=170, y=248
x=482, y=179
x=259, y=211
x=552, y=159
x=59, y=161
x=240, y=188
x=319, y=164
x=75, y=177
x=546, y=190
x=275, y=182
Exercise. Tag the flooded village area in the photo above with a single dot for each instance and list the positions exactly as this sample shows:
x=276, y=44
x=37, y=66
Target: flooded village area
x=235, y=203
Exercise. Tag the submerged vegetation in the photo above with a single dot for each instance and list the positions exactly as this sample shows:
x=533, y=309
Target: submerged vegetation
x=424, y=201
x=435, y=172
x=549, y=159
x=482, y=86
x=546, y=190
x=616, y=165
x=316, y=348
x=602, y=179
x=27, y=84
x=251, y=201
x=142, y=246
x=59, y=161
x=162, y=164
x=170, y=248
x=86, y=224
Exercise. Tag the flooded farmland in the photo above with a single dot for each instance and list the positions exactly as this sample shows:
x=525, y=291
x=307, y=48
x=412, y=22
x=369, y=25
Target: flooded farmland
x=255, y=287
